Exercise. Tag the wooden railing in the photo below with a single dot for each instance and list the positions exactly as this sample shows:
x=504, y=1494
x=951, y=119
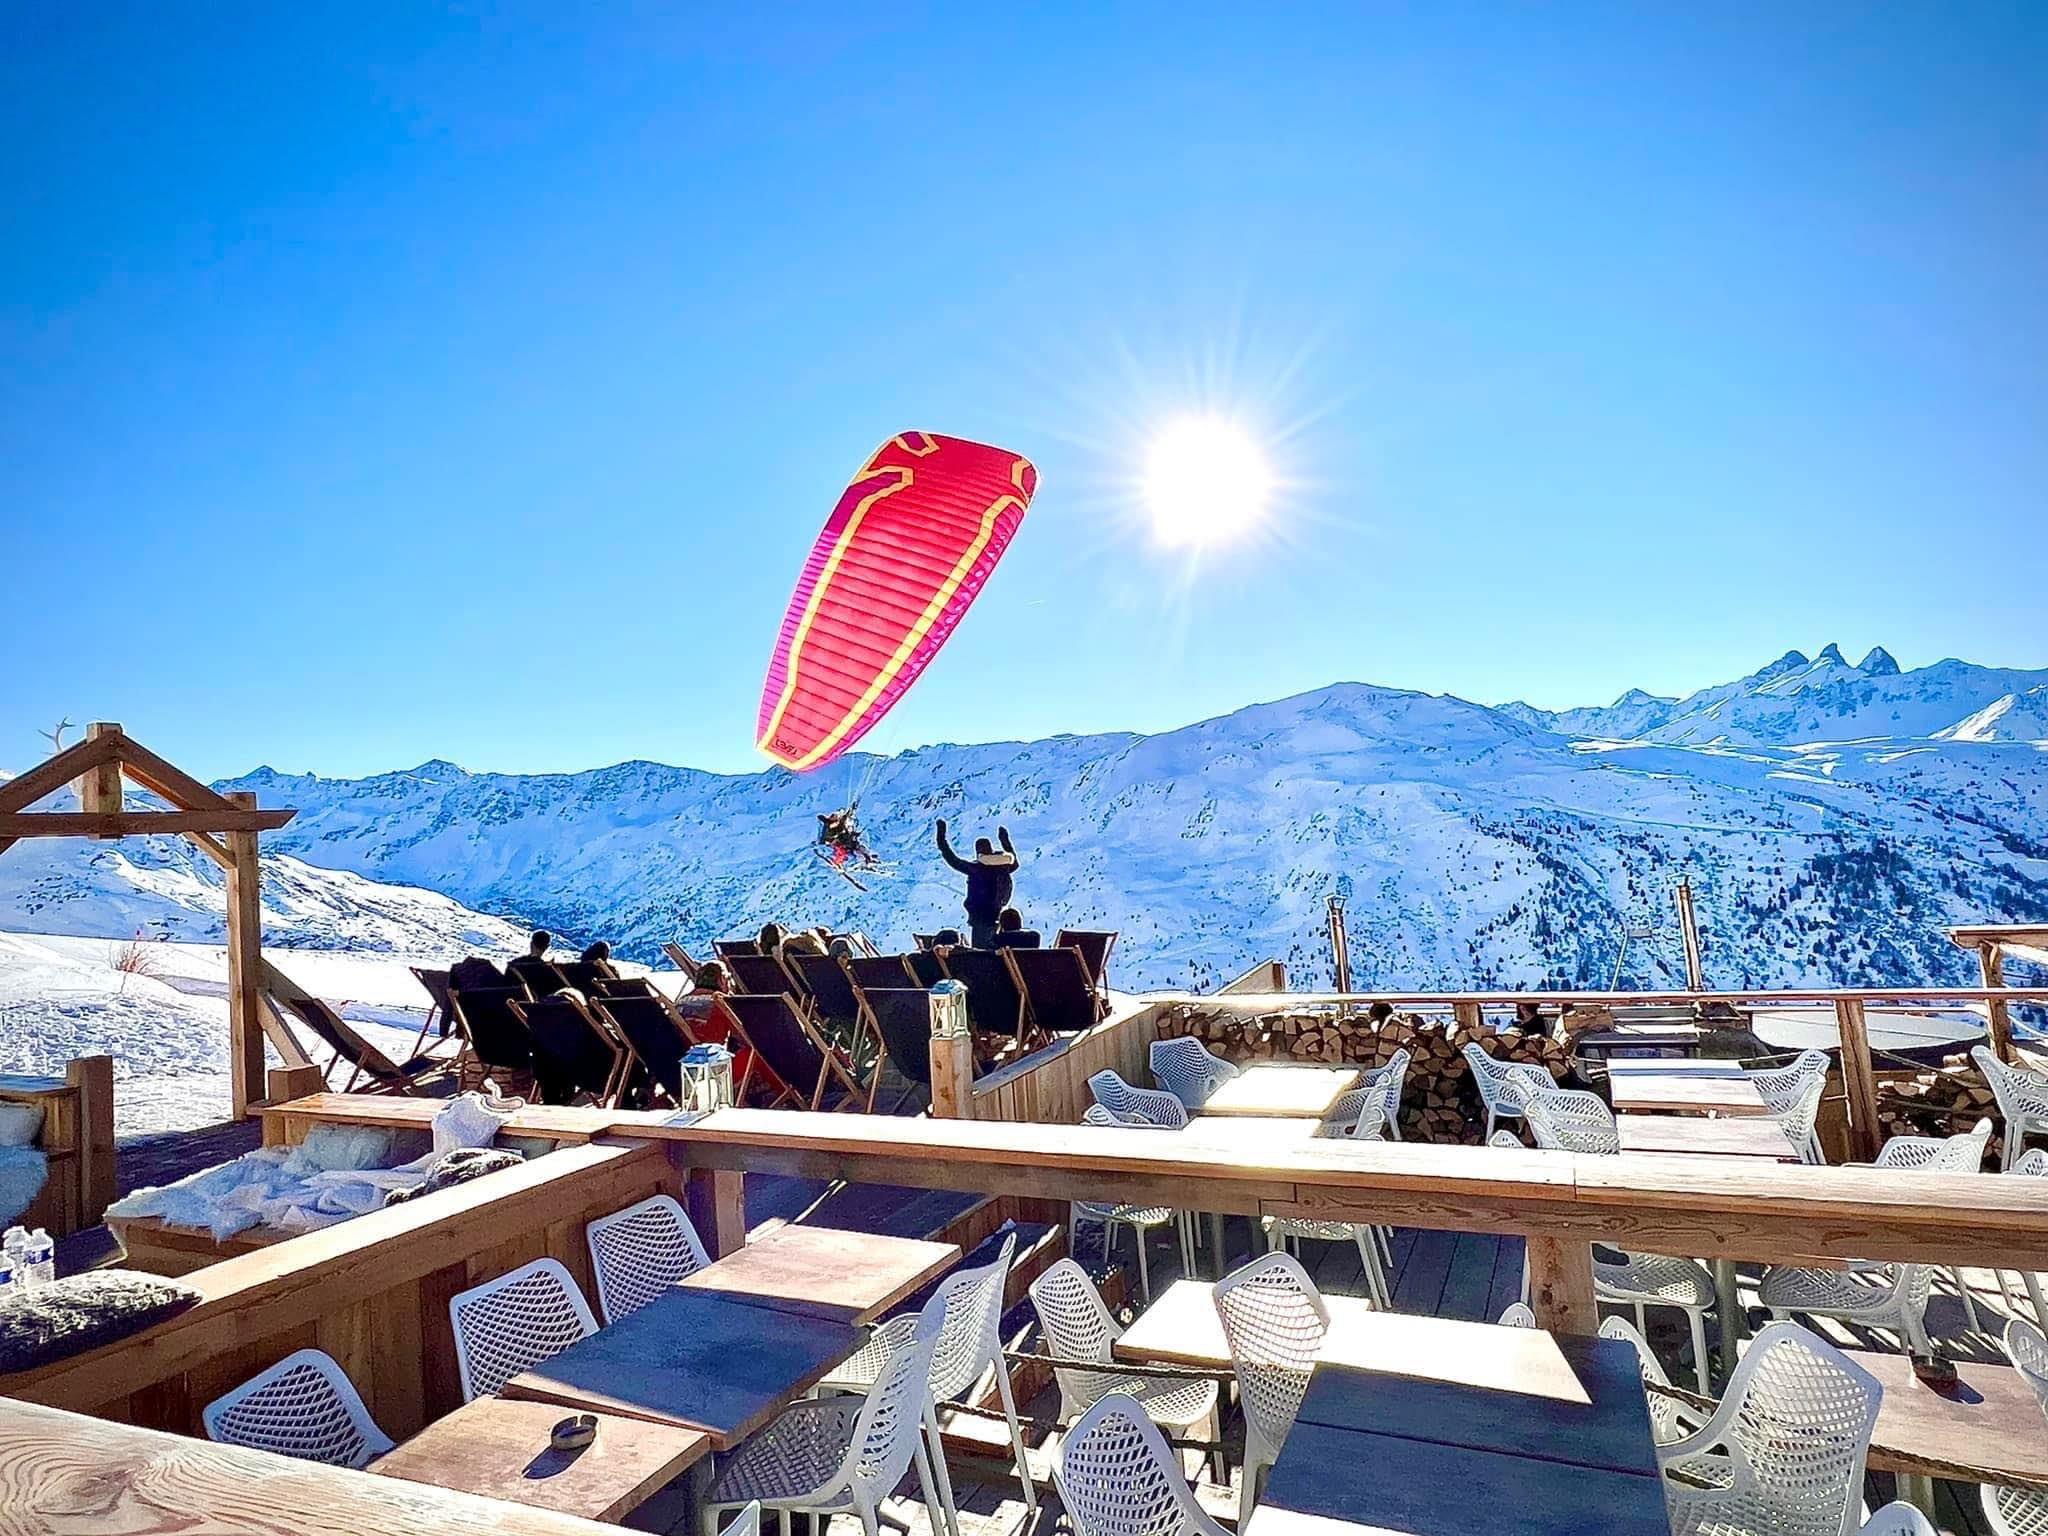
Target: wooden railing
x=1050, y=1086
x=1995, y=943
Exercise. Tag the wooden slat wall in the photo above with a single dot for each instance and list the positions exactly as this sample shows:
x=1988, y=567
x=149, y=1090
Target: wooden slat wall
x=1050, y=1087
x=372, y=1292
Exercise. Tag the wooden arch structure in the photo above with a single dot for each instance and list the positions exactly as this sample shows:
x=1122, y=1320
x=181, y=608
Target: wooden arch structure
x=223, y=827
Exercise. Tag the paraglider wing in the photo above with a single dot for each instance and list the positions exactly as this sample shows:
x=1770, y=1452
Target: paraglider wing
x=900, y=561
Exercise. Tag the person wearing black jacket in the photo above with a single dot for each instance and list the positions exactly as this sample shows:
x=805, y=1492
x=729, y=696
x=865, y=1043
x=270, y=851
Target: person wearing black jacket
x=989, y=882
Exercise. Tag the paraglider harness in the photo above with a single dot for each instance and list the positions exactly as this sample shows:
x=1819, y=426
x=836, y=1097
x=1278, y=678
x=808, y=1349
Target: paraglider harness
x=840, y=839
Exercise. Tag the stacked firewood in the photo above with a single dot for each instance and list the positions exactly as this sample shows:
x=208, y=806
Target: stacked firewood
x=1943, y=1103
x=1439, y=1103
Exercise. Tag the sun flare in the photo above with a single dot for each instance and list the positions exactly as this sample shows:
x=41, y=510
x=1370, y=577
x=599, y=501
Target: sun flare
x=1206, y=482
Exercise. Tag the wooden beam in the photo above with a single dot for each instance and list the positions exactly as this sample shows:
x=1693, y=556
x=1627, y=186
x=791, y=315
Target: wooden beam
x=1997, y=1014
x=99, y=787
x=93, y=1077
x=204, y=842
x=245, y=966
x=1561, y=1286
x=1859, y=1081
x=952, y=1074
x=53, y=773
x=161, y=778
x=138, y=823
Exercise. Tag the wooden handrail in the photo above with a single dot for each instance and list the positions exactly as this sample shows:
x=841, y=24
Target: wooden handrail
x=1915, y=996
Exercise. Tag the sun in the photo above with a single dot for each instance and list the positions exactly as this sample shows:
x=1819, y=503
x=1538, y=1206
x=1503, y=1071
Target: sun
x=1206, y=482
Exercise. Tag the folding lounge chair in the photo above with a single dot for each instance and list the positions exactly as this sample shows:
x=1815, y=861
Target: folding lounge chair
x=583, y=975
x=623, y=986
x=435, y=984
x=925, y=968
x=681, y=959
x=903, y=1018
x=760, y=975
x=362, y=1057
x=539, y=977
x=884, y=971
x=725, y=949
x=1056, y=989
x=923, y=940
x=497, y=1038
x=657, y=1036
x=1095, y=945
x=834, y=999
x=994, y=1004
x=573, y=1052
x=722, y=1026
x=791, y=1048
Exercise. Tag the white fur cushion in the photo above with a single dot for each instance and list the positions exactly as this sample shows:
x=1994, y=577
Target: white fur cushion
x=20, y=1124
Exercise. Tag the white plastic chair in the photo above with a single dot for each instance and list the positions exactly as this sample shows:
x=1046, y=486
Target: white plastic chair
x=1375, y=1246
x=1141, y=1219
x=1569, y=1120
x=516, y=1320
x=1493, y=1077
x=2015, y=1511
x=1881, y=1296
x=1079, y=1328
x=1899, y=1518
x=1795, y=1428
x=1670, y=1420
x=1380, y=1086
x=1941, y=1154
x=1117, y=1476
x=2034, y=1165
x=2027, y=1347
x=1128, y=1104
x=1798, y=1117
x=1644, y=1280
x=1189, y=1070
x=1518, y=1314
x=1783, y=1089
x=303, y=1406
x=970, y=1343
x=640, y=1252
x=1275, y=1322
x=835, y=1455
x=2022, y=1098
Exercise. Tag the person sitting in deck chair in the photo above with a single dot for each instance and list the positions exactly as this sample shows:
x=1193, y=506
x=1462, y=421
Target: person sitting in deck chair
x=532, y=967
x=1011, y=932
x=599, y=958
x=989, y=882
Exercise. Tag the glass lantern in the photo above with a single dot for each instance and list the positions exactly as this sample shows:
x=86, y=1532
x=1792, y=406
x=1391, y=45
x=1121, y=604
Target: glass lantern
x=707, y=1078
x=949, y=1010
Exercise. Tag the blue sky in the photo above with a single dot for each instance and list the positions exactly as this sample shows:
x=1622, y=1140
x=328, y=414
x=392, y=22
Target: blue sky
x=387, y=382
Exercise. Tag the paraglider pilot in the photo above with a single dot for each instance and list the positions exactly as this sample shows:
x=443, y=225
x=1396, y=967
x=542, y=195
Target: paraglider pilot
x=989, y=882
x=840, y=835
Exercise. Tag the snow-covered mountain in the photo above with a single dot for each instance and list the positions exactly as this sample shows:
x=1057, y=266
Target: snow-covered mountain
x=1476, y=846
x=1794, y=701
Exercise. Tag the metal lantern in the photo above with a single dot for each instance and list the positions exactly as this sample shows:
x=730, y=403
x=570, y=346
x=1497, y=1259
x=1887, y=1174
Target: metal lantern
x=949, y=1010
x=707, y=1078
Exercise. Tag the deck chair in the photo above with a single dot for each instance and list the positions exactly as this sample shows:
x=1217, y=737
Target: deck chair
x=435, y=984
x=903, y=1019
x=833, y=995
x=657, y=1036
x=1095, y=945
x=623, y=986
x=681, y=959
x=924, y=968
x=792, y=1049
x=923, y=940
x=1056, y=988
x=761, y=975
x=573, y=1052
x=583, y=975
x=883, y=971
x=363, y=1058
x=995, y=1006
x=539, y=977
x=722, y=1026
x=497, y=1038
x=862, y=944
x=725, y=949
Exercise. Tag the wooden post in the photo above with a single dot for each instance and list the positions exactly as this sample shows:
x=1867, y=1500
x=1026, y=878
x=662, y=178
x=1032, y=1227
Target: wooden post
x=1468, y=1016
x=245, y=965
x=283, y=1084
x=952, y=1058
x=1859, y=1081
x=1997, y=1013
x=99, y=787
x=1561, y=1286
x=93, y=1077
x=716, y=1202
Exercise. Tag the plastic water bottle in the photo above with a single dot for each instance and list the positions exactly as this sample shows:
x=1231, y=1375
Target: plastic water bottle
x=14, y=1250
x=10, y=1287
x=42, y=1258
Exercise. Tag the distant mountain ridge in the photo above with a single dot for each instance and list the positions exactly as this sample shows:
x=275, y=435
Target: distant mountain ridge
x=1476, y=846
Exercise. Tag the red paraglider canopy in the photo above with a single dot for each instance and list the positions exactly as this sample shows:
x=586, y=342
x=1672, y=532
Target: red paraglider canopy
x=900, y=561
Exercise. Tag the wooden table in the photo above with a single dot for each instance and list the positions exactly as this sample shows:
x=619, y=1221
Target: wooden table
x=693, y=1359
x=847, y=1277
x=1554, y=1439
x=498, y=1447
x=1685, y=1093
x=1695, y=1136
x=1271, y=1089
x=1672, y=1066
x=1985, y=1429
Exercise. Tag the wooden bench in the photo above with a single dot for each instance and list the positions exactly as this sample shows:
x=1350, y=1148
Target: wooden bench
x=77, y=1138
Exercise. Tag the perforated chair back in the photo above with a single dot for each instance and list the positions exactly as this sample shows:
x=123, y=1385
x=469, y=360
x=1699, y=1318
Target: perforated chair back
x=1937, y=1154
x=1145, y=1105
x=1518, y=1315
x=1390, y=1080
x=1571, y=1120
x=1056, y=985
x=1078, y=1326
x=1117, y=1476
x=1665, y=1423
x=303, y=1406
x=2027, y=1347
x=639, y=1252
x=1899, y=1518
x=1780, y=1087
x=1274, y=1320
x=2022, y=1098
x=517, y=1320
x=885, y=1436
x=970, y=1340
x=1188, y=1069
x=1502, y=1084
x=499, y=1037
